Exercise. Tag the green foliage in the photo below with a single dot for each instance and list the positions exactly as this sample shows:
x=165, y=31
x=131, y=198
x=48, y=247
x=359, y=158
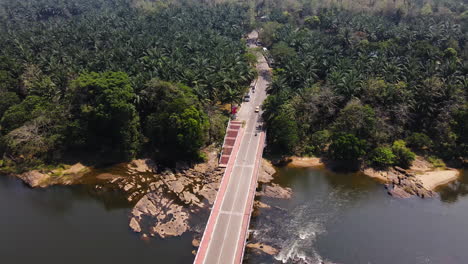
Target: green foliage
x=382, y=157
x=460, y=128
x=347, y=147
x=356, y=119
x=104, y=117
x=251, y=58
x=419, y=141
x=8, y=99
x=426, y=9
x=28, y=109
x=312, y=21
x=268, y=33
x=282, y=50
x=436, y=162
x=282, y=130
x=380, y=77
x=404, y=156
x=176, y=126
x=34, y=82
x=217, y=129
x=318, y=142
x=450, y=53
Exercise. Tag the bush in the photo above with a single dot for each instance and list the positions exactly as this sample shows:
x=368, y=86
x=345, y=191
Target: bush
x=347, y=147
x=382, y=157
x=404, y=156
x=436, y=162
x=8, y=99
x=419, y=141
x=318, y=142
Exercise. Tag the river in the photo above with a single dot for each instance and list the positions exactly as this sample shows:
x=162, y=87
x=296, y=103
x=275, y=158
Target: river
x=340, y=218
x=349, y=218
x=63, y=224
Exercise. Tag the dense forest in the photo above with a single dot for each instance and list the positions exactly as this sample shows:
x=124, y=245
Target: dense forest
x=373, y=87
x=109, y=80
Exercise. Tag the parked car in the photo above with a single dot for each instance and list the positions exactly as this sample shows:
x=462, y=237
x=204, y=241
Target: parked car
x=247, y=98
x=257, y=109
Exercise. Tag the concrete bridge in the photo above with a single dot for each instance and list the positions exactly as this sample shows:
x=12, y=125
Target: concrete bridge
x=226, y=231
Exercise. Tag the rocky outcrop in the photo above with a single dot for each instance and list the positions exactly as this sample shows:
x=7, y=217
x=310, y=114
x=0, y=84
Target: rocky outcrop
x=420, y=179
x=398, y=192
x=209, y=191
x=266, y=171
x=258, y=204
x=275, y=191
x=166, y=200
x=160, y=215
x=64, y=176
x=142, y=166
x=34, y=178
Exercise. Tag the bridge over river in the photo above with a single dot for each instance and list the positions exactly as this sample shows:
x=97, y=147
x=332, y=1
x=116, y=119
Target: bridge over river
x=226, y=231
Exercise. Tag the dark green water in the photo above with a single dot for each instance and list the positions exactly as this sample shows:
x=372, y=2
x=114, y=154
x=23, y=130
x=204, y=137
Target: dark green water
x=350, y=219
x=70, y=225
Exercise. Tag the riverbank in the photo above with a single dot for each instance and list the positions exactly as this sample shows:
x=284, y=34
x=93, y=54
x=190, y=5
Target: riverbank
x=163, y=199
x=333, y=217
x=421, y=179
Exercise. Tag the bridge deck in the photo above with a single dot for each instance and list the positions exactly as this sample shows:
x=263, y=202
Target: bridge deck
x=225, y=234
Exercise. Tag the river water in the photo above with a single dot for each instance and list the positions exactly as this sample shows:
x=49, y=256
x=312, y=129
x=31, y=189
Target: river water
x=340, y=218
x=349, y=218
x=63, y=224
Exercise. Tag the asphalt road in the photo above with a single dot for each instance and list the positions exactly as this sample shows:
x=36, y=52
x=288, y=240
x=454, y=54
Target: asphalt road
x=225, y=245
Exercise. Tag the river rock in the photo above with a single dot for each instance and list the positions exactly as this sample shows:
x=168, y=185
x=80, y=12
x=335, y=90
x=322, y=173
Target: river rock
x=164, y=217
x=276, y=191
x=135, y=226
x=266, y=172
x=209, y=191
x=190, y=198
x=128, y=187
x=399, y=192
x=258, y=204
x=263, y=248
x=142, y=165
x=34, y=178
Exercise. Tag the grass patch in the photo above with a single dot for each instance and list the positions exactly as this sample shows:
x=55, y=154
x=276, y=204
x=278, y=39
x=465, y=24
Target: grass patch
x=436, y=162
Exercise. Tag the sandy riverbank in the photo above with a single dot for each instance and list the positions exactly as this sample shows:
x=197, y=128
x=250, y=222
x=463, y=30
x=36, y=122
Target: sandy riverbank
x=305, y=162
x=432, y=179
x=421, y=179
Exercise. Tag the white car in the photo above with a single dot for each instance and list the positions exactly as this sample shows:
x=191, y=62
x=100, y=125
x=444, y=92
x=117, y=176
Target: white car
x=257, y=109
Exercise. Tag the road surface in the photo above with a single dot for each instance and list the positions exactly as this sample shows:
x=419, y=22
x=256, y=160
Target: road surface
x=225, y=234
